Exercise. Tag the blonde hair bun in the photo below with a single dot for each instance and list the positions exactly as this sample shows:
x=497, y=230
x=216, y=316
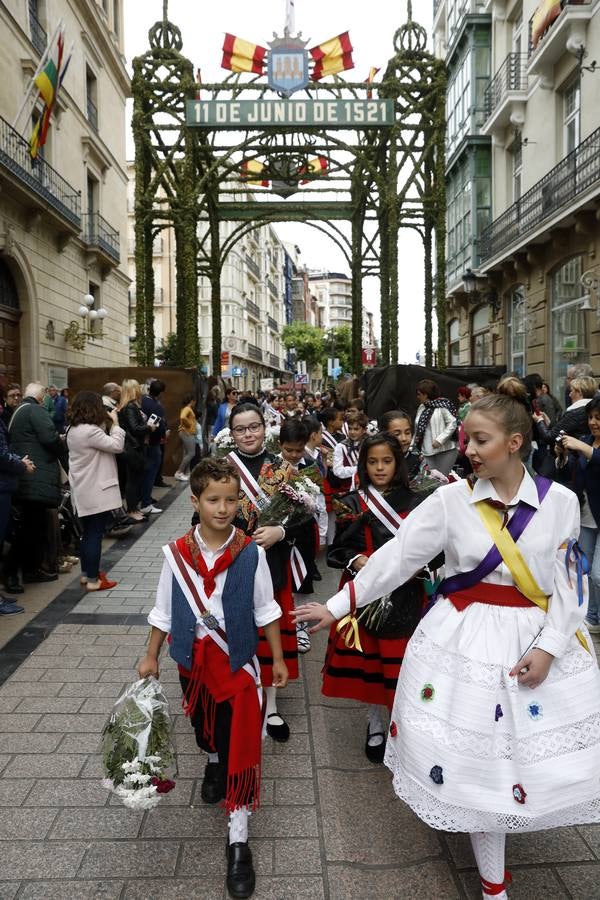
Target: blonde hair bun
x=511, y=386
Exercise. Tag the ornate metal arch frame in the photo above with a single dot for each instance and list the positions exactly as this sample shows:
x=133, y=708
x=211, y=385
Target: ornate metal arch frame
x=382, y=180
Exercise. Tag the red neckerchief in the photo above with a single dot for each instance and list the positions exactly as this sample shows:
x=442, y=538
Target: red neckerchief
x=189, y=549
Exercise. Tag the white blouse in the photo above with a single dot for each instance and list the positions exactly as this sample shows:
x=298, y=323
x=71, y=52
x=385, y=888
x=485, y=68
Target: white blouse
x=448, y=520
x=266, y=610
x=340, y=470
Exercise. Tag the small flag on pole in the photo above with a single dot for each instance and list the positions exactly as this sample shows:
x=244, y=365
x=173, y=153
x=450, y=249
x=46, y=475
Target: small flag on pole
x=370, y=79
x=198, y=84
x=332, y=56
x=242, y=56
x=48, y=82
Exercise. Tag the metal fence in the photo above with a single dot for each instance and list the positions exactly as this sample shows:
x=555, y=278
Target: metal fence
x=38, y=175
x=254, y=268
x=272, y=323
x=511, y=76
x=573, y=175
x=39, y=38
x=255, y=352
x=98, y=233
x=252, y=308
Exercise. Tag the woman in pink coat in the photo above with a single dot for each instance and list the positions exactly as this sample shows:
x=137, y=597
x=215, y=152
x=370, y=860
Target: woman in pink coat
x=93, y=439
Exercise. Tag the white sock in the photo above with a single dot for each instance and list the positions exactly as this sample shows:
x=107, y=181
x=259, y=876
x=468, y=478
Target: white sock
x=238, y=826
x=213, y=757
x=271, y=695
x=375, y=724
x=488, y=848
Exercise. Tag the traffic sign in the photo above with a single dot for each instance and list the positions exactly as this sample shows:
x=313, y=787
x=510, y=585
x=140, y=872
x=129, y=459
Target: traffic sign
x=300, y=379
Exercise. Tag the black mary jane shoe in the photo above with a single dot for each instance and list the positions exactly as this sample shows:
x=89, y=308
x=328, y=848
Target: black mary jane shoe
x=213, y=786
x=241, y=878
x=375, y=753
x=280, y=733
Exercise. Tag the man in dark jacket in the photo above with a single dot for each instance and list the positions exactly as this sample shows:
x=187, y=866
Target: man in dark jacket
x=32, y=433
x=151, y=406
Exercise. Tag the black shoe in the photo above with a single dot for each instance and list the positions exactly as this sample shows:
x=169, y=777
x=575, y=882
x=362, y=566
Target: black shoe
x=13, y=585
x=39, y=577
x=307, y=586
x=213, y=784
x=376, y=753
x=279, y=733
x=241, y=878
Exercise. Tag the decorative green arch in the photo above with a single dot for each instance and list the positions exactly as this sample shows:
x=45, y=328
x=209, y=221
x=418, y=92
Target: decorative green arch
x=382, y=180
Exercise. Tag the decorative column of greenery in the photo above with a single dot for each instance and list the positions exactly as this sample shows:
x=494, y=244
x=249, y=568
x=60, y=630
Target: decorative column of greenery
x=144, y=279
x=439, y=205
x=428, y=305
x=215, y=283
x=384, y=277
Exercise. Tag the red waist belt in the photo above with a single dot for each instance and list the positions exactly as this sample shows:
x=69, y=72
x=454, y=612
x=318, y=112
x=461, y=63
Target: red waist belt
x=494, y=594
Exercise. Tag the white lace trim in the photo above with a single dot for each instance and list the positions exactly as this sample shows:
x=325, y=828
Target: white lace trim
x=488, y=676
x=432, y=810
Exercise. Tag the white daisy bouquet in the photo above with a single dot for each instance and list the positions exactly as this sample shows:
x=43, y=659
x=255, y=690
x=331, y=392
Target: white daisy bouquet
x=138, y=750
x=295, y=500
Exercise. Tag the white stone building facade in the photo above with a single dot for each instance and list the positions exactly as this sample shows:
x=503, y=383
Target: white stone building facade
x=63, y=218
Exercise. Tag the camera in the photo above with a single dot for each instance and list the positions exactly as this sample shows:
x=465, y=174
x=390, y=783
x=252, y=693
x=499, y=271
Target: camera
x=153, y=419
x=560, y=436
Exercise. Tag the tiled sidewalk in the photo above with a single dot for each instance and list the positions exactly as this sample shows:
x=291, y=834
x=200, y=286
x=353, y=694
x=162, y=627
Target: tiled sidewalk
x=329, y=826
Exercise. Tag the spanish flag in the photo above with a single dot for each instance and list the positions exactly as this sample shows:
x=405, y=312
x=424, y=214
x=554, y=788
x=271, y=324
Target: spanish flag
x=370, y=79
x=251, y=168
x=543, y=17
x=242, y=56
x=318, y=165
x=332, y=56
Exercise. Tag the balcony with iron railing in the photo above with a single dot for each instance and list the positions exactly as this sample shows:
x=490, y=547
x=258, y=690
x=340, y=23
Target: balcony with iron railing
x=102, y=237
x=505, y=95
x=92, y=113
x=274, y=361
x=272, y=323
x=566, y=186
x=39, y=38
x=37, y=178
x=255, y=352
x=252, y=309
x=253, y=267
x=565, y=33
x=272, y=287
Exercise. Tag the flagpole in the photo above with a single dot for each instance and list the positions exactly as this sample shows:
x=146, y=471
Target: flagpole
x=290, y=17
x=32, y=85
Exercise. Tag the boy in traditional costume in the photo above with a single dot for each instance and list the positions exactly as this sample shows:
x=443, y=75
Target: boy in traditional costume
x=214, y=592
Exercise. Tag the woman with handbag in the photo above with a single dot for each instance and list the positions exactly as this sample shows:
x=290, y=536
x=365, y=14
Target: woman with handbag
x=365, y=666
x=94, y=437
x=135, y=425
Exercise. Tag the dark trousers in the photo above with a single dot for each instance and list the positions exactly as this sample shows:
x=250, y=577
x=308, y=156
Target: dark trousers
x=133, y=484
x=222, y=732
x=5, y=503
x=29, y=540
x=93, y=528
x=152, y=463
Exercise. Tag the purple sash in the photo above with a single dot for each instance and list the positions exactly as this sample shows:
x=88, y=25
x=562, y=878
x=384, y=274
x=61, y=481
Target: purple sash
x=517, y=525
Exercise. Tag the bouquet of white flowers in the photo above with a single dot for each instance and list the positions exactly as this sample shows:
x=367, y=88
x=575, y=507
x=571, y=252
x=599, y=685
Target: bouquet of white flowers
x=294, y=501
x=224, y=443
x=138, y=750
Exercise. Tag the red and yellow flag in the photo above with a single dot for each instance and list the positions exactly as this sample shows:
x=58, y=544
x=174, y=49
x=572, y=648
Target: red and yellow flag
x=242, y=56
x=332, y=56
x=48, y=82
x=370, y=79
x=251, y=168
x=318, y=165
x=545, y=14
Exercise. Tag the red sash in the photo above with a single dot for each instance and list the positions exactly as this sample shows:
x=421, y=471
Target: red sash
x=493, y=594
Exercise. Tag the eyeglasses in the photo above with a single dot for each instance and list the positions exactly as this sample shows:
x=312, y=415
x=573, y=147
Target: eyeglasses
x=254, y=428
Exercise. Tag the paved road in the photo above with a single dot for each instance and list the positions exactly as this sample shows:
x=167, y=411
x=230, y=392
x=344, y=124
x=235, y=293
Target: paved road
x=329, y=826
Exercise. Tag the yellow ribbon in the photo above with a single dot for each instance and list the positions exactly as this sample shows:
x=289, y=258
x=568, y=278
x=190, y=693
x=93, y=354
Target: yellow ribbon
x=515, y=561
x=352, y=637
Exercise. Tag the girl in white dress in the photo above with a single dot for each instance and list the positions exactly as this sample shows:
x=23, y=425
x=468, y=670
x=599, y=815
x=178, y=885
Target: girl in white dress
x=496, y=722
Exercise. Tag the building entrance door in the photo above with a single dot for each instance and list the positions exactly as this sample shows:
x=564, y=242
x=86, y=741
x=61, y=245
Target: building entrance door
x=10, y=338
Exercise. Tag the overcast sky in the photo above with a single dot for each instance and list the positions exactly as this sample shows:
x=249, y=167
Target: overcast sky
x=371, y=26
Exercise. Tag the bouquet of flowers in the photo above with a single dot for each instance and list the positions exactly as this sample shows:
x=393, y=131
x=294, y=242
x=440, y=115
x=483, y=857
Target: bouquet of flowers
x=294, y=501
x=138, y=751
x=224, y=443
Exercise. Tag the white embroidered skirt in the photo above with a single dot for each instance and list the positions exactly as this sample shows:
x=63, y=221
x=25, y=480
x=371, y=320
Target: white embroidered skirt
x=470, y=750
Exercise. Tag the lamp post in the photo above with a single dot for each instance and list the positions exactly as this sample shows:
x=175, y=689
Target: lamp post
x=75, y=334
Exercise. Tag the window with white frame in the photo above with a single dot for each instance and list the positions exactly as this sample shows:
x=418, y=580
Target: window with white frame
x=453, y=343
x=570, y=336
x=481, y=345
x=516, y=330
x=571, y=116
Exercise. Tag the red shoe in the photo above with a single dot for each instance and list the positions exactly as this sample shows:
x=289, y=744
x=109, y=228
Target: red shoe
x=104, y=585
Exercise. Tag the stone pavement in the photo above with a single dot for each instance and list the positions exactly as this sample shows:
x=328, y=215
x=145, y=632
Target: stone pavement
x=329, y=826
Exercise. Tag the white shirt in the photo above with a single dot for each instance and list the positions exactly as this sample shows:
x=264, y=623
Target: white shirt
x=321, y=514
x=266, y=610
x=339, y=468
x=448, y=520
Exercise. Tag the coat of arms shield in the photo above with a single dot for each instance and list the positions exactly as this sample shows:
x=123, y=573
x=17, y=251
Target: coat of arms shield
x=288, y=65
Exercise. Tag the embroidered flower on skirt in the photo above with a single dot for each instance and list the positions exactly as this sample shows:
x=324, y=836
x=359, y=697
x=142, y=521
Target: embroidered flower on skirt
x=436, y=775
x=535, y=711
x=519, y=793
x=498, y=714
x=427, y=692
x=393, y=729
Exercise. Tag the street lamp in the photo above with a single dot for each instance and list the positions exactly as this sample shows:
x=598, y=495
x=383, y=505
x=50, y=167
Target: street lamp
x=470, y=282
x=75, y=334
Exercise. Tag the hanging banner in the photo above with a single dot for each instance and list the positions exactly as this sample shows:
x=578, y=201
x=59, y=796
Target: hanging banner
x=260, y=114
